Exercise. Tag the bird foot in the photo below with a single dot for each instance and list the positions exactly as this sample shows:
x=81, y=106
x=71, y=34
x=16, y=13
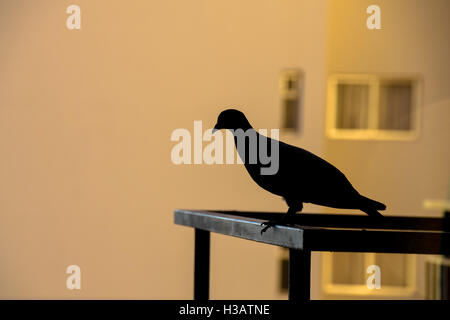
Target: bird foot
x=268, y=224
x=271, y=223
x=286, y=220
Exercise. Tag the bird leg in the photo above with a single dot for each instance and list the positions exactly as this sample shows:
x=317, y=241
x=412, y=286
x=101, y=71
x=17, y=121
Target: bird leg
x=285, y=220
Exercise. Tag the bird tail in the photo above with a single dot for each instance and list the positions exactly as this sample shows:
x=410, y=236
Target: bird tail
x=372, y=212
x=370, y=206
x=369, y=203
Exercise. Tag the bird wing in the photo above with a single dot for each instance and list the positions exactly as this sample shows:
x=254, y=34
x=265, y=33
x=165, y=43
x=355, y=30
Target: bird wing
x=304, y=177
x=308, y=176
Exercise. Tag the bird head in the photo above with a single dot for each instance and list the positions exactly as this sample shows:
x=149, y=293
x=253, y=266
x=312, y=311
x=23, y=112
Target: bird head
x=232, y=119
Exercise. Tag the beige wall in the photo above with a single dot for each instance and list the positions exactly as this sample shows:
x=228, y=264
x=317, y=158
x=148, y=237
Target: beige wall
x=414, y=39
x=85, y=124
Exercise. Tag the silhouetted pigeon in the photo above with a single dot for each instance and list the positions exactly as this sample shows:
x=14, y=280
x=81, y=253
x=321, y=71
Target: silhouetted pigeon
x=302, y=177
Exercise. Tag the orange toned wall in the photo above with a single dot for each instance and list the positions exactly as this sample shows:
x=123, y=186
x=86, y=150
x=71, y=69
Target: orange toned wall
x=85, y=121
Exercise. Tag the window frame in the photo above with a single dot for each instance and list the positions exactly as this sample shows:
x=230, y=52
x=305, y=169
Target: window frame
x=373, y=132
x=338, y=289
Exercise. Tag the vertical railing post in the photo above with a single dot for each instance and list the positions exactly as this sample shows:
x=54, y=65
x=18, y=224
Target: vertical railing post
x=201, y=264
x=299, y=274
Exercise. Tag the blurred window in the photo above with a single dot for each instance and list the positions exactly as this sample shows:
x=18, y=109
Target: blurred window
x=372, y=107
x=345, y=274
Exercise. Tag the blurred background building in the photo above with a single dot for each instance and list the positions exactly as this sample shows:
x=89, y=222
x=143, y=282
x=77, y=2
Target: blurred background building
x=86, y=117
